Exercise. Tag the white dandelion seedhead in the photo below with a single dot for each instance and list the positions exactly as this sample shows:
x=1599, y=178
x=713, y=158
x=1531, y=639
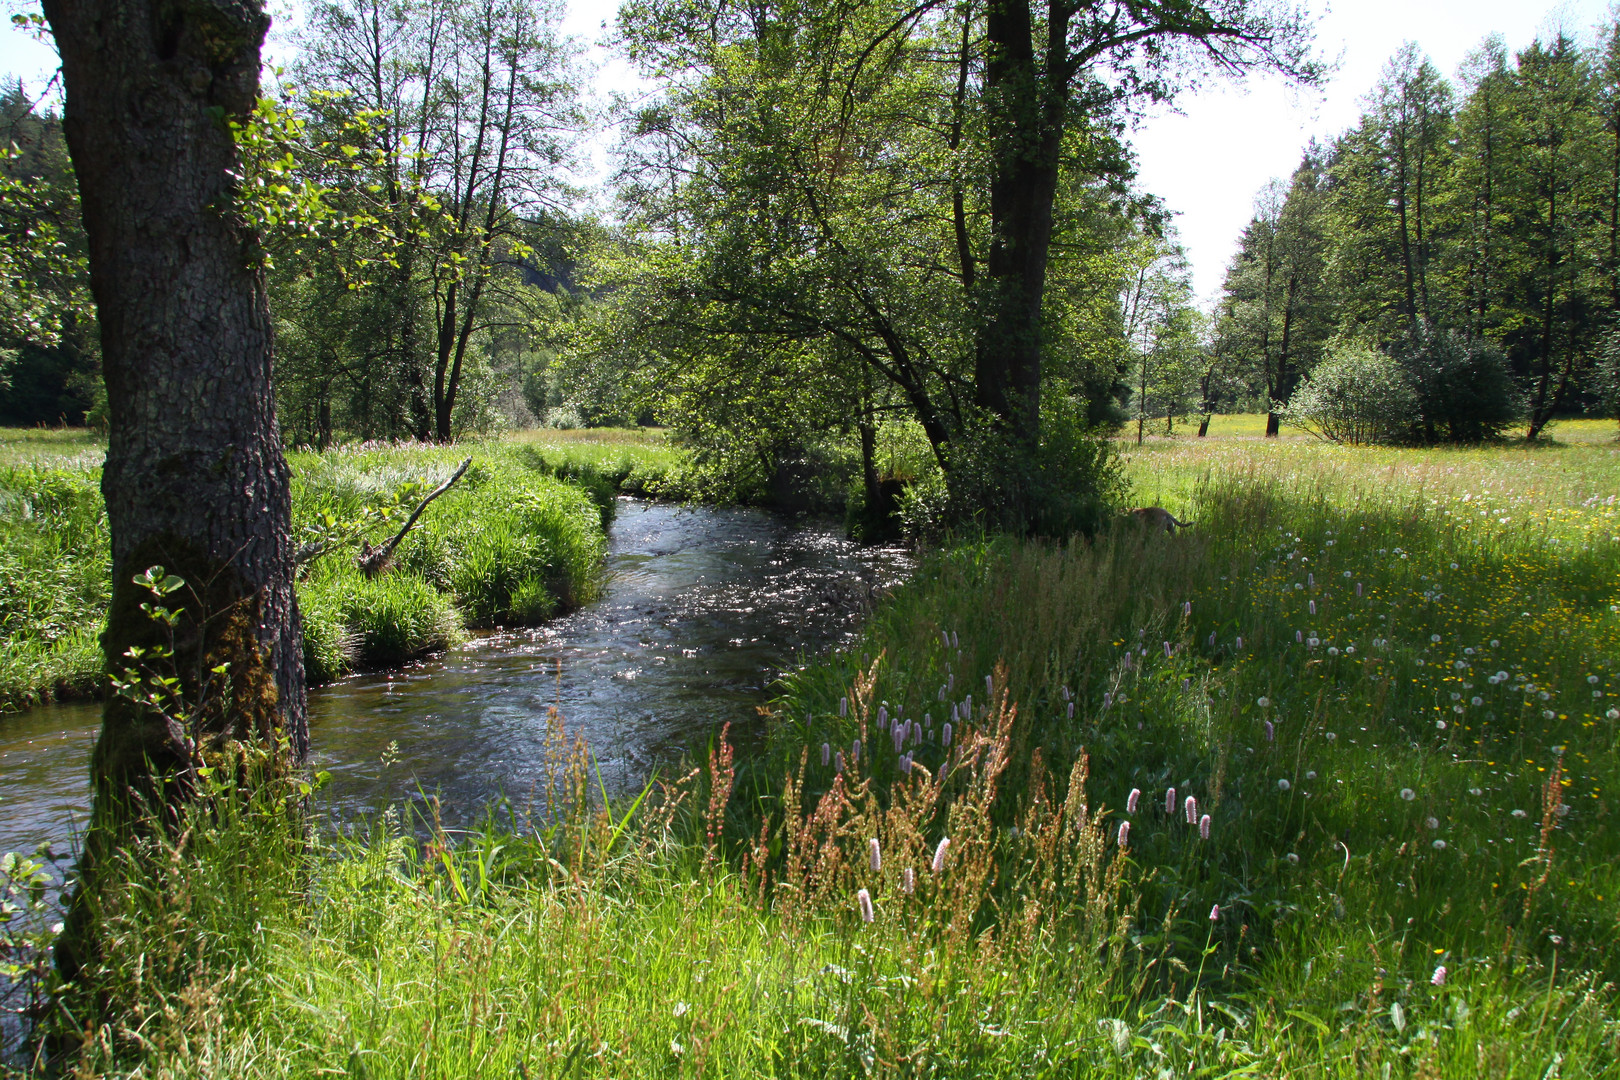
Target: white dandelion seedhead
x=1131, y=800
x=1264, y=702
x=1293, y=860
x=1613, y=714
x=1310, y=775
x=938, y=865
x=1562, y=809
x=1408, y=794
x=1548, y=714
x=1439, y=845
x=1432, y=822
x=1476, y=701
x=864, y=899
x=1330, y=736
x=1333, y=650
x=1283, y=784
x=1439, y=725
x=1495, y=644
x=876, y=854
x=1520, y=814
x=1434, y=639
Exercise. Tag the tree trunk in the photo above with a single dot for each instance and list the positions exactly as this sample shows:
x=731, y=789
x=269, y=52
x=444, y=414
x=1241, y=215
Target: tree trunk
x=1025, y=107
x=195, y=479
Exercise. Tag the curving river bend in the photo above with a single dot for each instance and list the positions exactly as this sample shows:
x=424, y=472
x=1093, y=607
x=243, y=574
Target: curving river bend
x=703, y=609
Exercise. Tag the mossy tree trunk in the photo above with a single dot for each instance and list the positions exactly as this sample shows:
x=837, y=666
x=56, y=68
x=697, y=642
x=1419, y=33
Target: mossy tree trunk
x=195, y=479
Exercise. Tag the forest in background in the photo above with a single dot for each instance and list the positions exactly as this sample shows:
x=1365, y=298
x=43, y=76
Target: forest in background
x=792, y=277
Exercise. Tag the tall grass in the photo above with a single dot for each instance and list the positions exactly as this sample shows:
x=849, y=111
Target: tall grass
x=53, y=583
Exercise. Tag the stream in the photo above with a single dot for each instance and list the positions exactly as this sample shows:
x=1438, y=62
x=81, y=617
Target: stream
x=703, y=609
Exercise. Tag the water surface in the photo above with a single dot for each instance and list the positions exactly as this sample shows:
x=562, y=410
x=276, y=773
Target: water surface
x=702, y=610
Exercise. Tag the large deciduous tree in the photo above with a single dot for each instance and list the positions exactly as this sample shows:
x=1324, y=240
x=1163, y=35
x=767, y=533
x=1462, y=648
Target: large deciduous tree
x=925, y=185
x=195, y=479
x=1047, y=66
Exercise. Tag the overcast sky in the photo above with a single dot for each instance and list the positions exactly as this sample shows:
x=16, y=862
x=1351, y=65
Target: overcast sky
x=1208, y=160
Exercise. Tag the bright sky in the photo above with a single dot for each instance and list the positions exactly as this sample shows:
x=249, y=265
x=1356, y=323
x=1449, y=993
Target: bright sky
x=1207, y=161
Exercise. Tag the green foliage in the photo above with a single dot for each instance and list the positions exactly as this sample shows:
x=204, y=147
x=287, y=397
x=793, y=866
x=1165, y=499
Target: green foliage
x=1465, y=393
x=1066, y=486
x=48, y=341
x=1357, y=396
x=1449, y=224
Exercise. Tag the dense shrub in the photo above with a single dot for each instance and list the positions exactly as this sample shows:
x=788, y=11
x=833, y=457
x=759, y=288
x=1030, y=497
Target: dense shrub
x=1356, y=396
x=1065, y=486
x=1465, y=393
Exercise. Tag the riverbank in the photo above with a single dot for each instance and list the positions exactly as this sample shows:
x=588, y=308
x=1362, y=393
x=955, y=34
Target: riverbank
x=516, y=541
x=1380, y=686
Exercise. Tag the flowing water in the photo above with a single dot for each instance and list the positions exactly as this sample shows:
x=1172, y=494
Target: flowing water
x=702, y=610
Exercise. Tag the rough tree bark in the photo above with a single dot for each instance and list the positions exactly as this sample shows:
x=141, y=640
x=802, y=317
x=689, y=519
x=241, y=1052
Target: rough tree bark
x=1026, y=101
x=195, y=479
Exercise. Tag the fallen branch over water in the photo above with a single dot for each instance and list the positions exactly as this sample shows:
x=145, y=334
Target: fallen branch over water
x=374, y=560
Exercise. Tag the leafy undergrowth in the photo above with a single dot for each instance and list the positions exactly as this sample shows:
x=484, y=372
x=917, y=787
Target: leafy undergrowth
x=1389, y=729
